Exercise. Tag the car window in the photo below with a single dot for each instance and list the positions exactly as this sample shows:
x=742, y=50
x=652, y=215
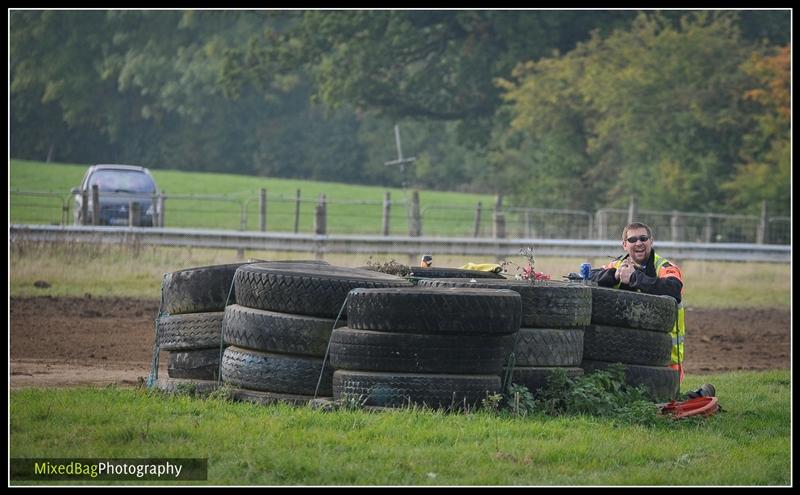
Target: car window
x=122, y=181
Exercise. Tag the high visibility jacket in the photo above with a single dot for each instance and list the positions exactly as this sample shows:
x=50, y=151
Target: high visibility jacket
x=678, y=331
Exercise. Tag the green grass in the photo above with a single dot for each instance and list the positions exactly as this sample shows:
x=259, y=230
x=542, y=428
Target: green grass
x=131, y=271
x=351, y=208
x=247, y=444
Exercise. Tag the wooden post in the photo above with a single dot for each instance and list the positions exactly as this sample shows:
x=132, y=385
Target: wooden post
x=154, y=205
x=499, y=230
x=262, y=203
x=387, y=206
x=161, y=199
x=84, y=206
x=675, y=226
x=478, y=220
x=297, y=212
x=95, y=205
x=320, y=216
x=415, y=225
x=761, y=233
x=707, y=230
x=633, y=209
x=134, y=215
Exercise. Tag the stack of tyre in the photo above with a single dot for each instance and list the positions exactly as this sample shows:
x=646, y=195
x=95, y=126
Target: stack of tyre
x=633, y=328
x=427, y=272
x=278, y=331
x=189, y=325
x=434, y=347
x=554, y=316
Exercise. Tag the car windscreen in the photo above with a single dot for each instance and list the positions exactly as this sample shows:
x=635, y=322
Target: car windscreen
x=122, y=181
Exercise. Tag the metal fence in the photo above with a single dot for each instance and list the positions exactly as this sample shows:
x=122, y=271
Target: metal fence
x=281, y=213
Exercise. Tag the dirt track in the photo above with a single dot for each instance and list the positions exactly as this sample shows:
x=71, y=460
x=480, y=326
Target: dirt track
x=75, y=341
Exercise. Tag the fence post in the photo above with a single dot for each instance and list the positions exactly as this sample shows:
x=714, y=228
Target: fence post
x=134, y=214
x=297, y=211
x=84, y=206
x=761, y=233
x=675, y=226
x=154, y=205
x=528, y=226
x=262, y=203
x=320, y=216
x=633, y=209
x=161, y=200
x=415, y=222
x=707, y=230
x=478, y=220
x=499, y=231
x=387, y=206
x=95, y=205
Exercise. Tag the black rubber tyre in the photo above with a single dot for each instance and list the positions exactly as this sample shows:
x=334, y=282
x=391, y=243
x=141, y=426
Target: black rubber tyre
x=367, y=350
x=198, y=290
x=184, y=386
x=661, y=382
x=627, y=345
x=435, y=310
x=623, y=308
x=267, y=398
x=189, y=331
x=535, y=378
x=436, y=272
x=544, y=304
x=455, y=392
x=200, y=364
x=279, y=373
x=305, y=289
x=549, y=347
x=270, y=331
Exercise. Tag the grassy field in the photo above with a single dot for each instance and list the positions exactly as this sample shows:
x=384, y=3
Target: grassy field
x=351, y=208
x=246, y=444
x=131, y=271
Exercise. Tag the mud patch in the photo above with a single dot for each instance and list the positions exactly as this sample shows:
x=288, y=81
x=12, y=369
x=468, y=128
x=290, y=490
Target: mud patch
x=101, y=341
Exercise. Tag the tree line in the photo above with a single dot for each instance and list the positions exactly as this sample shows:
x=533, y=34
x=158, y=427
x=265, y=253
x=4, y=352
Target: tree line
x=559, y=109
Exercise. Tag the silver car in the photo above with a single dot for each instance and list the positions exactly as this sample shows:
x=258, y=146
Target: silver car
x=118, y=187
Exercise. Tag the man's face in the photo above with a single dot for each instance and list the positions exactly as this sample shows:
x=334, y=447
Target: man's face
x=638, y=250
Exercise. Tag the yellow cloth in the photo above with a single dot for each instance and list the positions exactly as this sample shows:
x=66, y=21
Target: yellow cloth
x=483, y=267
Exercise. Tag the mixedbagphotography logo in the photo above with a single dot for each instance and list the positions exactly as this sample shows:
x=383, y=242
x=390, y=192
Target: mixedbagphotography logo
x=41, y=469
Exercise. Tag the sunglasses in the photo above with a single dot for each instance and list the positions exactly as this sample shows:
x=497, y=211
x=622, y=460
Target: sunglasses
x=643, y=238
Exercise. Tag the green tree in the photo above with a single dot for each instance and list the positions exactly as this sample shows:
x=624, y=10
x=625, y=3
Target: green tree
x=653, y=111
x=764, y=173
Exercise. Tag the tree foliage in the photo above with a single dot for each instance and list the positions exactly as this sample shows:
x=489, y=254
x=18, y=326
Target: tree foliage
x=656, y=110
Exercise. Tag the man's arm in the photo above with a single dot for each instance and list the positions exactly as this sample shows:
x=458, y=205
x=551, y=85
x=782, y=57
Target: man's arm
x=663, y=286
x=605, y=277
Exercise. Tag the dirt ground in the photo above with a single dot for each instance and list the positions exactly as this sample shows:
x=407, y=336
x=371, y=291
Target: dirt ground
x=59, y=342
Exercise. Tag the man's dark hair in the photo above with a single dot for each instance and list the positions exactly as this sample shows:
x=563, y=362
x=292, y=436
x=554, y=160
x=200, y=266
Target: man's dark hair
x=636, y=225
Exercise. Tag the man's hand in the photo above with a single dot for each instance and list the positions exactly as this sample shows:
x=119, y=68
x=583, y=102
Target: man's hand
x=625, y=270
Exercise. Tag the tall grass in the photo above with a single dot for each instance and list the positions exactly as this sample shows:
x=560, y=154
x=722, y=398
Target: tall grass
x=134, y=270
x=247, y=444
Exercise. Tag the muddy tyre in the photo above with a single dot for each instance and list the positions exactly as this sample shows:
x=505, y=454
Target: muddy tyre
x=544, y=304
x=453, y=392
x=367, y=350
x=200, y=364
x=627, y=345
x=661, y=382
x=198, y=290
x=270, y=331
x=271, y=372
x=623, y=308
x=435, y=310
x=304, y=289
x=549, y=347
x=435, y=272
x=189, y=331
x=185, y=386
